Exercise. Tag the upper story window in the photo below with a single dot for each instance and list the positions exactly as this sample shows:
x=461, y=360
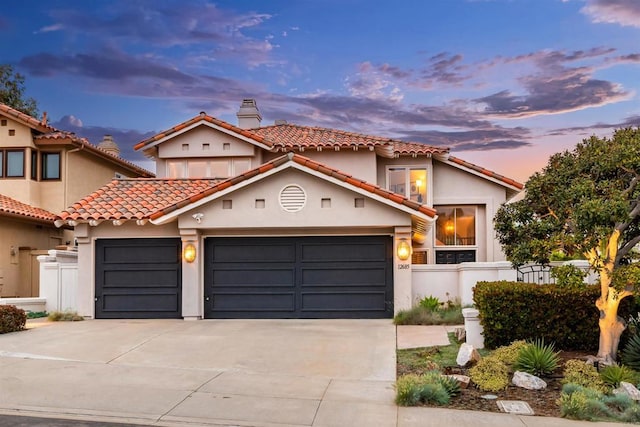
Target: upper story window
x=34, y=165
x=408, y=181
x=12, y=163
x=204, y=168
x=456, y=226
x=50, y=165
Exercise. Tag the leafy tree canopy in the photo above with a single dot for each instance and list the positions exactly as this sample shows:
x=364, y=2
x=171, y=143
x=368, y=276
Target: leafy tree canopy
x=585, y=201
x=12, y=91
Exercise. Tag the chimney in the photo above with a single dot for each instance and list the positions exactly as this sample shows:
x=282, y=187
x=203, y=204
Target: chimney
x=109, y=145
x=248, y=116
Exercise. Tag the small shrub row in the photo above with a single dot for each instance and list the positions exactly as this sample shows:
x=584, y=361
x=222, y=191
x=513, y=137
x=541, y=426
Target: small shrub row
x=430, y=311
x=565, y=315
x=12, y=319
x=583, y=403
x=65, y=316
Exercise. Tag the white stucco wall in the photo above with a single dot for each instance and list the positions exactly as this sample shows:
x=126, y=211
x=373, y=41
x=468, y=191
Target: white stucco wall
x=342, y=213
x=203, y=134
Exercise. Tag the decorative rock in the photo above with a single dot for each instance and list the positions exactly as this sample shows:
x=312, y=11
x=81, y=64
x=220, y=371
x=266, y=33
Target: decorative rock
x=460, y=333
x=463, y=380
x=628, y=389
x=467, y=355
x=489, y=396
x=528, y=381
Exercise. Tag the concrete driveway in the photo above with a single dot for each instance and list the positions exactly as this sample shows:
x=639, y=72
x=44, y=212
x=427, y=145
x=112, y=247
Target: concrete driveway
x=213, y=372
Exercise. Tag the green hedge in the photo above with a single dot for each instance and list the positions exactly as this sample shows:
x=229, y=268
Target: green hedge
x=12, y=319
x=511, y=311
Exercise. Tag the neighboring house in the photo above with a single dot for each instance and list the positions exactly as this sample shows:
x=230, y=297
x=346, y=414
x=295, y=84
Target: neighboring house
x=43, y=170
x=278, y=221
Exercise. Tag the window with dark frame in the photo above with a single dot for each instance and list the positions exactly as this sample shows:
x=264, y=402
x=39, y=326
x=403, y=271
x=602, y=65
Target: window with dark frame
x=12, y=163
x=15, y=163
x=34, y=165
x=50, y=165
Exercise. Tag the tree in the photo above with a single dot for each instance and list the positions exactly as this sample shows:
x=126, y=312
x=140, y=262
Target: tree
x=585, y=201
x=12, y=91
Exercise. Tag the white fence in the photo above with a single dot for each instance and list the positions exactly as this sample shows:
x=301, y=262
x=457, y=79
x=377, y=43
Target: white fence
x=59, y=280
x=456, y=281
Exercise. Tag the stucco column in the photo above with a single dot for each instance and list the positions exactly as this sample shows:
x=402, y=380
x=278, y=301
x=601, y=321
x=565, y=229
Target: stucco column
x=192, y=284
x=85, y=298
x=401, y=272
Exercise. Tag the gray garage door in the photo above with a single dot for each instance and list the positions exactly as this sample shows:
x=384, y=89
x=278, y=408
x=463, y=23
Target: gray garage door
x=138, y=278
x=299, y=277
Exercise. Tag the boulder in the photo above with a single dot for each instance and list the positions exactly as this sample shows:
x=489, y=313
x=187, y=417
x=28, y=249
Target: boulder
x=460, y=333
x=628, y=389
x=463, y=380
x=528, y=381
x=467, y=355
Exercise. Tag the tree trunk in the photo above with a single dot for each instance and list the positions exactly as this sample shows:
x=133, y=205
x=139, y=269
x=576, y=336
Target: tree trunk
x=611, y=328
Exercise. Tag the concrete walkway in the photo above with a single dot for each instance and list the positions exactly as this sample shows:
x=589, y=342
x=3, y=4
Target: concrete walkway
x=262, y=373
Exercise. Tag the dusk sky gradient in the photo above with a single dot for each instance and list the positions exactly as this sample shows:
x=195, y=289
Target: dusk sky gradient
x=503, y=83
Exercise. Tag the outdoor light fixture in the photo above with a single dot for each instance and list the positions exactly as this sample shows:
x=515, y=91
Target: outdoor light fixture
x=189, y=253
x=403, y=250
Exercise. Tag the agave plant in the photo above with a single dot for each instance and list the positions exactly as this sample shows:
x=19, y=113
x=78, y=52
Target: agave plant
x=631, y=353
x=537, y=358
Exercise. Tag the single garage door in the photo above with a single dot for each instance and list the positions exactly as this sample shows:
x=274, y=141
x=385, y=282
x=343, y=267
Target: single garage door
x=138, y=278
x=299, y=277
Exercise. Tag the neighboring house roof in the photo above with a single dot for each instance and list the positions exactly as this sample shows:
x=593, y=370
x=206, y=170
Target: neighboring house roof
x=289, y=137
x=49, y=134
x=151, y=199
x=12, y=207
x=58, y=137
x=26, y=119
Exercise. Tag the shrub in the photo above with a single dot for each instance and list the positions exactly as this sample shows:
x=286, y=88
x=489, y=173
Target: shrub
x=65, y=316
x=580, y=403
x=568, y=276
x=430, y=387
x=12, y=319
x=583, y=374
x=587, y=404
x=408, y=390
x=537, y=358
x=614, y=374
x=508, y=354
x=418, y=315
x=490, y=374
x=511, y=311
x=434, y=393
x=431, y=303
x=631, y=352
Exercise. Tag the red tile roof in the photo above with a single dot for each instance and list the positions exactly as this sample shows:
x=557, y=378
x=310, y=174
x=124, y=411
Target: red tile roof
x=12, y=207
x=202, y=116
x=289, y=137
x=139, y=199
x=486, y=172
x=25, y=119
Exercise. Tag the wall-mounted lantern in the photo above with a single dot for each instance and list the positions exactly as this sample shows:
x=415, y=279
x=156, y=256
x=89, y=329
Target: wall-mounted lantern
x=403, y=250
x=189, y=253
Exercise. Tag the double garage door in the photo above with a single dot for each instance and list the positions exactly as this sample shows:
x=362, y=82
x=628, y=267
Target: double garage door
x=279, y=277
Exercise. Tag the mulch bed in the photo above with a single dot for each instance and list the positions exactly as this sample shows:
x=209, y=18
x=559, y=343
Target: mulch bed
x=543, y=402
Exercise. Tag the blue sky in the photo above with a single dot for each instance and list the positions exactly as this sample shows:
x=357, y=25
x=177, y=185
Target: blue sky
x=503, y=83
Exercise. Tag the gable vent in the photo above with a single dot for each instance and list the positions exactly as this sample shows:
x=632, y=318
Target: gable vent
x=292, y=198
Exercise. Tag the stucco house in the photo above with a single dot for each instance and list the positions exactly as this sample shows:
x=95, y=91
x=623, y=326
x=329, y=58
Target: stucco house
x=281, y=221
x=43, y=170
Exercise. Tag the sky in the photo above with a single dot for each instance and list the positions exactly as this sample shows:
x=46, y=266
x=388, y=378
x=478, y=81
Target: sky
x=502, y=83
